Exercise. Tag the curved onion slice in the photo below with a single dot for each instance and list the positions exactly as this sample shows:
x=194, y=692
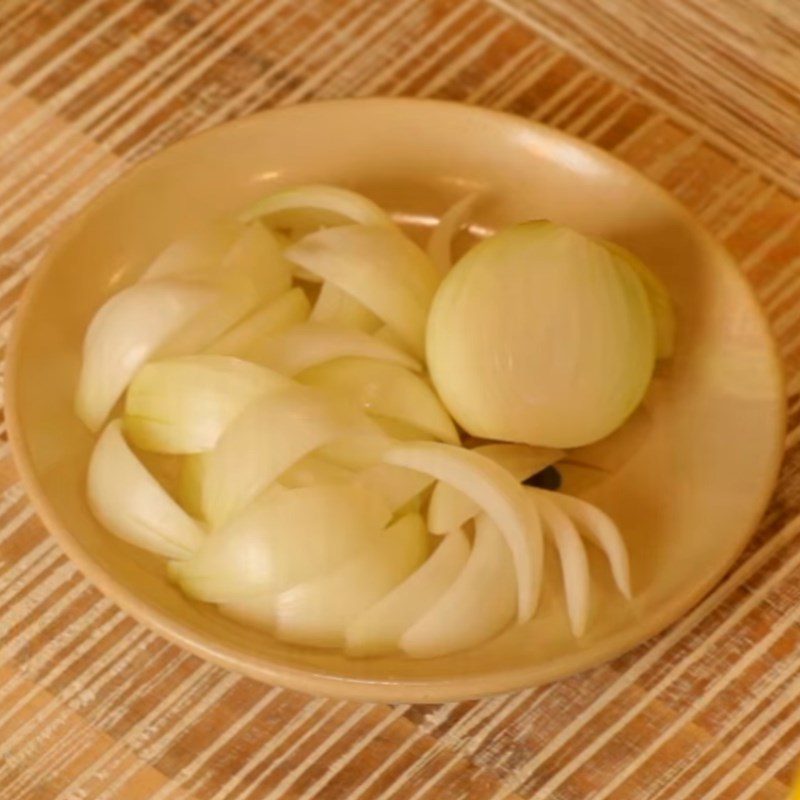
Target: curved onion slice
x=271, y=435
x=449, y=509
x=318, y=612
x=190, y=483
x=380, y=268
x=276, y=316
x=600, y=528
x=478, y=605
x=440, y=244
x=336, y=307
x=284, y=537
x=572, y=554
x=313, y=470
x=387, y=390
x=183, y=405
x=312, y=343
x=379, y=629
x=397, y=485
x=331, y=200
x=200, y=252
x=497, y=494
x=131, y=504
x=253, y=271
x=125, y=333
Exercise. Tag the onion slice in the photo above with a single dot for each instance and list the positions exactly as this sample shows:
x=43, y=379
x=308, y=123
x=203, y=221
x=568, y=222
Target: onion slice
x=449, y=509
x=477, y=606
x=336, y=307
x=304, y=346
x=397, y=485
x=333, y=200
x=271, y=435
x=319, y=611
x=128, y=501
x=285, y=537
x=496, y=492
x=379, y=629
x=440, y=244
x=600, y=528
x=190, y=483
x=183, y=405
x=379, y=267
x=572, y=554
x=386, y=390
x=127, y=330
x=291, y=308
x=314, y=470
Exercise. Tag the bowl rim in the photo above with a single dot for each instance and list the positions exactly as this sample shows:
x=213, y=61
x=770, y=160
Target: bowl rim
x=320, y=682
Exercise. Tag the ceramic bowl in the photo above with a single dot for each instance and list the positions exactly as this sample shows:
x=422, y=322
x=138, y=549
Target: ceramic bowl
x=687, y=496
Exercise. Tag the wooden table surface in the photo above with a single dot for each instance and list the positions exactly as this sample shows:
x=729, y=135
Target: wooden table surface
x=703, y=96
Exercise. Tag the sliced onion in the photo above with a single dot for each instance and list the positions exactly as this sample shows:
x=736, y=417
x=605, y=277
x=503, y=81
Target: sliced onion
x=440, y=244
x=497, y=494
x=336, y=307
x=541, y=335
x=126, y=331
x=572, y=554
x=478, y=605
x=387, y=390
x=313, y=470
x=290, y=309
x=449, y=509
x=319, y=611
x=614, y=451
x=380, y=268
x=253, y=271
x=200, y=253
x=600, y=528
x=333, y=201
x=379, y=629
x=576, y=479
x=285, y=537
x=183, y=405
x=257, y=611
x=397, y=485
x=271, y=435
x=128, y=501
x=190, y=483
x=304, y=346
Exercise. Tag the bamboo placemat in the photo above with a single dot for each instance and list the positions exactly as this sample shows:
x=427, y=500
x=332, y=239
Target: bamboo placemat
x=703, y=96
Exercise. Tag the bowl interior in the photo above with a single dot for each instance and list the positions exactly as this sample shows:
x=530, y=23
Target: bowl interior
x=686, y=499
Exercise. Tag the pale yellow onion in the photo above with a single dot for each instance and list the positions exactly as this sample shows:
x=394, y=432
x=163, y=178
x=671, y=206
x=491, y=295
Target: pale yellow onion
x=313, y=470
x=271, y=435
x=319, y=611
x=334, y=201
x=498, y=495
x=284, y=537
x=440, y=243
x=601, y=530
x=380, y=268
x=126, y=331
x=253, y=271
x=336, y=307
x=290, y=309
x=128, y=501
x=183, y=405
x=199, y=252
x=397, y=485
x=543, y=336
x=449, y=509
x=386, y=390
x=378, y=629
x=477, y=606
x=304, y=346
x=190, y=483
x=572, y=555
x=257, y=611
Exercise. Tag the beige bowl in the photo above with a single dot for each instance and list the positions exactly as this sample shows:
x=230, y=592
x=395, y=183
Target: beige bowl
x=687, y=498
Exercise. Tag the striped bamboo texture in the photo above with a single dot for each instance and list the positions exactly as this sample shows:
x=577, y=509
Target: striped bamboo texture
x=701, y=95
